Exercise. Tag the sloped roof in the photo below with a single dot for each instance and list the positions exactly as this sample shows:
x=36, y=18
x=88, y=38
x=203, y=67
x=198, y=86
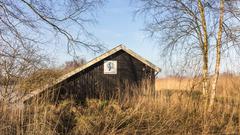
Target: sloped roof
x=90, y=63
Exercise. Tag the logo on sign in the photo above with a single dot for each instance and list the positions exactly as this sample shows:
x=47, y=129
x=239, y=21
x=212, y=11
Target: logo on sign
x=110, y=67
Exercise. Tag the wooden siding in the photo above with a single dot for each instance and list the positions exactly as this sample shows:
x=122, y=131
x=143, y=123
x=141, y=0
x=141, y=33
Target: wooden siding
x=93, y=83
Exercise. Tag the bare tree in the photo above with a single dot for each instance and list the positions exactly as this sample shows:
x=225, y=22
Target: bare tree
x=27, y=26
x=31, y=20
x=76, y=62
x=218, y=54
x=16, y=63
x=195, y=28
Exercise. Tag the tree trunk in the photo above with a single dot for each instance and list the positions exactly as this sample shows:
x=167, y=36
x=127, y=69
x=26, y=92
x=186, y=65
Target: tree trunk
x=218, y=56
x=205, y=65
x=204, y=48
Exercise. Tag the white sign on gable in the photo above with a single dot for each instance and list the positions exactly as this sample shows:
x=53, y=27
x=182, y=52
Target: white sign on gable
x=110, y=67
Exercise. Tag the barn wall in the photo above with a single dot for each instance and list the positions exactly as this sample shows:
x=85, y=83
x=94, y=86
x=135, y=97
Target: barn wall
x=93, y=83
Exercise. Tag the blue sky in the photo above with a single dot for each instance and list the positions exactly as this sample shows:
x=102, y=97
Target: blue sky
x=116, y=25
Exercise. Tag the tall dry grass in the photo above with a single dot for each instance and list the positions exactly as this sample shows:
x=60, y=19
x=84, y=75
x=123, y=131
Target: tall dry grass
x=174, y=83
x=164, y=113
x=173, y=109
x=228, y=85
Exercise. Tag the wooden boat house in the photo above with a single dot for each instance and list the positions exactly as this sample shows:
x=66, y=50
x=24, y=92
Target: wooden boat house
x=117, y=72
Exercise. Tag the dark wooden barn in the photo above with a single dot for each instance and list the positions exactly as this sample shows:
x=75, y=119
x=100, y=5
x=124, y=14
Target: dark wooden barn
x=114, y=74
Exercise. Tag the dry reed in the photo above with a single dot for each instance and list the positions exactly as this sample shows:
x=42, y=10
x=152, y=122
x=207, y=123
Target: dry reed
x=166, y=112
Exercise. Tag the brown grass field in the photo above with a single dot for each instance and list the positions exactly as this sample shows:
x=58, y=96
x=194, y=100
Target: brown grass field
x=174, y=110
x=228, y=85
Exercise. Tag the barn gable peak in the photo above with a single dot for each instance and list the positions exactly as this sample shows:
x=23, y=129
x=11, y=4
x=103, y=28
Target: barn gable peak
x=105, y=55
